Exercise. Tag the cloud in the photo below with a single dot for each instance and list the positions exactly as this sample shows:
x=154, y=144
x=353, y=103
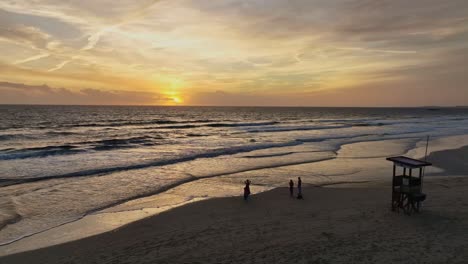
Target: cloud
x=25, y=34
x=33, y=58
x=356, y=18
x=86, y=15
x=18, y=93
x=222, y=98
x=90, y=77
x=441, y=82
x=52, y=26
x=377, y=50
x=370, y=95
x=59, y=66
x=140, y=12
x=93, y=40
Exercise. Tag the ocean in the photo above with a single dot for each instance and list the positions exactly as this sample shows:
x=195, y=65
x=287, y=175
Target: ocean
x=61, y=163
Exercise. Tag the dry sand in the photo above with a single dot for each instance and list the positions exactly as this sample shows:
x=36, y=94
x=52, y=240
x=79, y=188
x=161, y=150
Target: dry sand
x=343, y=224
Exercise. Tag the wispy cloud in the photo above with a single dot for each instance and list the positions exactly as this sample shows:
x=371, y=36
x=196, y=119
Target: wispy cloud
x=93, y=39
x=33, y=58
x=378, y=50
x=28, y=35
x=59, y=66
x=140, y=12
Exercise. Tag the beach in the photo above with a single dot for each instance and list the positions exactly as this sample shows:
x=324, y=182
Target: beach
x=339, y=223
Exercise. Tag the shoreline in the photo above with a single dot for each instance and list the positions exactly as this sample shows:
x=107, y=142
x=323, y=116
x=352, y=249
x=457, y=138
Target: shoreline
x=271, y=227
x=86, y=228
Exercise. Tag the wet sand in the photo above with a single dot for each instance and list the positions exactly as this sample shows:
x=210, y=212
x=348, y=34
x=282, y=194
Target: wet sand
x=453, y=162
x=348, y=223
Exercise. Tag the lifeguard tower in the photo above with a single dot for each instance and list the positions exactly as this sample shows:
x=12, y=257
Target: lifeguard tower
x=407, y=189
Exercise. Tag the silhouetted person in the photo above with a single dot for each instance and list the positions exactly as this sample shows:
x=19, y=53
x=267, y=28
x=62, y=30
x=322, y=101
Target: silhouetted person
x=299, y=188
x=247, y=190
x=291, y=188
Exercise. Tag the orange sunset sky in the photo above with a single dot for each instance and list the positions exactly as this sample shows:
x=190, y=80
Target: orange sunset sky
x=234, y=52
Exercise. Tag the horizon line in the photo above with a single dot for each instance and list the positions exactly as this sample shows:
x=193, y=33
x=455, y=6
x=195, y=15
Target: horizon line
x=250, y=106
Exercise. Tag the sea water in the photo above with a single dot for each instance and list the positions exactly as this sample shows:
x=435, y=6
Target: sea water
x=61, y=163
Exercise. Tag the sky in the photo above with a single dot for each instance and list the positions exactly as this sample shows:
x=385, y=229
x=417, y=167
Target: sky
x=234, y=52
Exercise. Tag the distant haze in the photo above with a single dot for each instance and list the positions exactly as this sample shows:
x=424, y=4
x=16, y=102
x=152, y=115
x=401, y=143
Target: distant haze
x=233, y=52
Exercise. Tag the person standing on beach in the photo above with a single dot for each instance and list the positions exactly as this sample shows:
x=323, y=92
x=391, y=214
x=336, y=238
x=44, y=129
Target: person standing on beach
x=247, y=190
x=299, y=188
x=291, y=188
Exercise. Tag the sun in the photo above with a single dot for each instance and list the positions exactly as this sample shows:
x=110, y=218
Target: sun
x=177, y=100
x=173, y=96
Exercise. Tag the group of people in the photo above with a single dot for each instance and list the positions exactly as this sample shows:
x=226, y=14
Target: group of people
x=299, y=188
x=291, y=188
